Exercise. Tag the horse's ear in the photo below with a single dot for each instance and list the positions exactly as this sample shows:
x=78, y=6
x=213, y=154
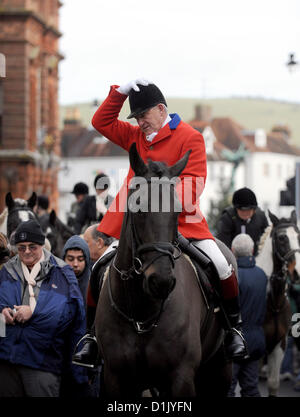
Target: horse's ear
x=9, y=201
x=52, y=217
x=136, y=162
x=294, y=217
x=31, y=202
x=176, y=169
x=273, y=218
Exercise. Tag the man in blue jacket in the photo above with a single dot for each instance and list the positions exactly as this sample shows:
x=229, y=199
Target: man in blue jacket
x=252, y=298
x=43, y=309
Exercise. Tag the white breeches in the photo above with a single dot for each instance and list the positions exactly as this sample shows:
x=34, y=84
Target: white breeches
x=211, y=249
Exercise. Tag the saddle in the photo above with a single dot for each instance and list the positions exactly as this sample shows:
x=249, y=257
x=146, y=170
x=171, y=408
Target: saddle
x=206, y=271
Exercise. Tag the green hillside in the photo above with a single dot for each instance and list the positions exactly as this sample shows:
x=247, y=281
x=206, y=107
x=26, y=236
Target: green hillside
x=249, y=112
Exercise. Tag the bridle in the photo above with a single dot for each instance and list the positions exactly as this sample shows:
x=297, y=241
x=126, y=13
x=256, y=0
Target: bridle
x=139, y=248
x=284, y=259
x=17, y=209
x=138, y=269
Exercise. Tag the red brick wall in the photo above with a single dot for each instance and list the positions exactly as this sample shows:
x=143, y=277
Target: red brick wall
x=30, y=44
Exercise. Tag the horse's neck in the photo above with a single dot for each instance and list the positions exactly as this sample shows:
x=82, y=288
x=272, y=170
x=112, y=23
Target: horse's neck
x=265, y=257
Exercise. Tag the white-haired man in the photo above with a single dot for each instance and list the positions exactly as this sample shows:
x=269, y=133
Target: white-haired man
x=252, y=297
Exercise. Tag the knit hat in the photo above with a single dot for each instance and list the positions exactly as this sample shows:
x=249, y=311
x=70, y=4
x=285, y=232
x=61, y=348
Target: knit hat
x=141, y=101
x=244, y=199
x=29, y=231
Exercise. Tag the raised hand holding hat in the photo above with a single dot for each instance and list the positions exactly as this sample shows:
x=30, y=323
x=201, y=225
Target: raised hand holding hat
x=126, y=88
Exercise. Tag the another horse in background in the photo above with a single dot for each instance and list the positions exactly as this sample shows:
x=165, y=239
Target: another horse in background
x=16, y=211
x=152, y=333
x=57, y=233
x=279, y=248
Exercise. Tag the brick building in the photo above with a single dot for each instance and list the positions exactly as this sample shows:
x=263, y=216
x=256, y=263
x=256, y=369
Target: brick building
x=29, y=114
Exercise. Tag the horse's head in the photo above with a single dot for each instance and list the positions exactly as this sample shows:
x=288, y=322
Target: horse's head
x=153, y=209
x=285, y=242
x=19, y=210
x=57, y=233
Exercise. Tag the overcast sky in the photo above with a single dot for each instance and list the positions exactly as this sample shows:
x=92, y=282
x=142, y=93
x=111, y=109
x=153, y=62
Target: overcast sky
x=189, y=48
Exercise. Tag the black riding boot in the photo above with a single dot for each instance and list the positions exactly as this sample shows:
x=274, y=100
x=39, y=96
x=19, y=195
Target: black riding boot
x=88, y=355
x=235, y=343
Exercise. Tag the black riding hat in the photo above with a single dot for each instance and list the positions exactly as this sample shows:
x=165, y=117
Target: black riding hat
x=244, y=199
x=141, y=101
x=101, y=182
x=80, y=188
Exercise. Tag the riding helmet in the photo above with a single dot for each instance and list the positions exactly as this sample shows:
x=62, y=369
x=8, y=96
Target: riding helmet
x=141, y=101
x=244, y=199
x=101, y=182
x=80, y=188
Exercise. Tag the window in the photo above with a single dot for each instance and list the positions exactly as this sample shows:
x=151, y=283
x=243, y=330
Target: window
x=266, y=170
x=279, y=171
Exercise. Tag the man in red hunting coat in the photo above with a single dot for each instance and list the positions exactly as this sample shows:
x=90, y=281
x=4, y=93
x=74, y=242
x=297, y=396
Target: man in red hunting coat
x=161, y=136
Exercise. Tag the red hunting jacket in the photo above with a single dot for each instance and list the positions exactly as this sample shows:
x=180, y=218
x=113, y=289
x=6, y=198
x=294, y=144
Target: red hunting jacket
x=169, y=145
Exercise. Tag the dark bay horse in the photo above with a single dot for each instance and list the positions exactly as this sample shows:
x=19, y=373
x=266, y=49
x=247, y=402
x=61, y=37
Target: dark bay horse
x=154, y=325
x=279, y=250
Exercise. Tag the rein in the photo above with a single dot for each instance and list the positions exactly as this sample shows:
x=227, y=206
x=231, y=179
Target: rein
x=139, y=326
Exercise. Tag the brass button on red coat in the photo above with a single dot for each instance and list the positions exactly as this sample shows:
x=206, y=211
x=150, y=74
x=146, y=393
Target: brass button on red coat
x=151, y=147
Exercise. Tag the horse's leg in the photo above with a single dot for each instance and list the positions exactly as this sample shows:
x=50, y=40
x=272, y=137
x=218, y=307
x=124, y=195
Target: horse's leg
x=182, y=383
x=214, y=377
x=273, y=371
x=120, y=385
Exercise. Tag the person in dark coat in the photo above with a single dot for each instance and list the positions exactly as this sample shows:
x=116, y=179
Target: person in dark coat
x=244, y=216
x=76, y=254
x=95, y=206
x=80, y=191
x=252, y=297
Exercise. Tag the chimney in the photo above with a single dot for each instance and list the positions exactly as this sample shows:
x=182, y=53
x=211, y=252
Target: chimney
x=284, y=130
x=203, y=112
x=260, y=138
x=72, y=119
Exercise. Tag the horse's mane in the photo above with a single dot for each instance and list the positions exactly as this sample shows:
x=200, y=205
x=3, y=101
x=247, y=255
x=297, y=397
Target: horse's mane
x=263, y=238
x=3, y=215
